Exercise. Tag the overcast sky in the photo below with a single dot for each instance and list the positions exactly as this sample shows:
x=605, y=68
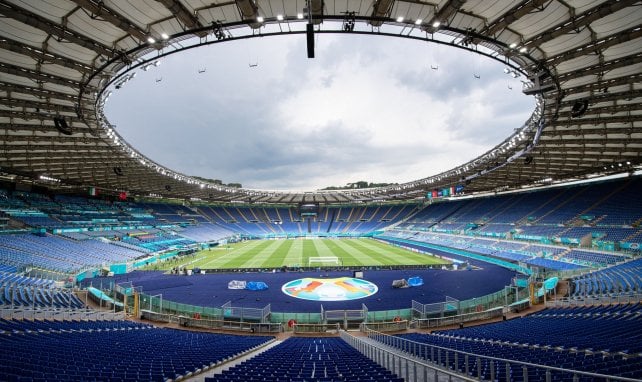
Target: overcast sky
x=366, y=108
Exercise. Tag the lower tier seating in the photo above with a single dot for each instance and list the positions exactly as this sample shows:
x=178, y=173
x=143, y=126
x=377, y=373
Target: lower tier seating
x=308, y=359
x=109, y=350
x=597, y=340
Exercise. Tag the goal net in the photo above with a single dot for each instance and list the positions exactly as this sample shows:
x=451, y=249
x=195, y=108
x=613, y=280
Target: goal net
x=323, y=261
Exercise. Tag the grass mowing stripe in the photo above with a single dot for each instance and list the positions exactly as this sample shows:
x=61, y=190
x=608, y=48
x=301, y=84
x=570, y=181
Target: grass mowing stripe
x=244, y=254
x=309, y=250
x=362, y=257
x=278, y=258
x=423, y=258
x=258, y=258
x=334, y=250
x=394, y=255
x=377, y=253
x=294, y=256
x=296, y=252
x=230, y=256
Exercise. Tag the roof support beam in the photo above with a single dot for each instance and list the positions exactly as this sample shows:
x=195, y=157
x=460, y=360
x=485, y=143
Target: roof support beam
x=14, y=102
x=249, y=12
x=595, y=121
x=38, y=92
x=33, y=148
x=443, y=15
x=604, y=97
x=595, y=46
x=606, y=110
x=183, y=15
x=579, y=21
x=380, y=10
x=591, y=130
x=42, y=56
x=24, y=115
x=101, y=12
x=38, y=76
x=520, y=10
x=55, y=29
x=603, y=85
x=601, y=68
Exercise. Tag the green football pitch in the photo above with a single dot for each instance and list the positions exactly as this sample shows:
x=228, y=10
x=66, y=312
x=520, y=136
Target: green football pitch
x=296, y=252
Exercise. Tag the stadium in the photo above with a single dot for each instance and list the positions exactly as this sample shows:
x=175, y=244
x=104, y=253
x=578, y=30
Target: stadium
x=521, y=264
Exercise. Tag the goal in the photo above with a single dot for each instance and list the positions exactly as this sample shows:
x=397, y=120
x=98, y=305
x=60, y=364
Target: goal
x=323, y=261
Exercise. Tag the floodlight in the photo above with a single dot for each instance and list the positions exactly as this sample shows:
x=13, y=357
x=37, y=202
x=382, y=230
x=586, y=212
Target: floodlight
x=513, y=45
x=436, y=24
x=418, y=21
x=151, y=40
x=164, y=36
x=260, y=19
x=400, y=19
x=279, y=17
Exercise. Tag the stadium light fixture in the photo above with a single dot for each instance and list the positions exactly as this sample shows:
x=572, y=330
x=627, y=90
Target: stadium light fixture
x=513, y=45
x=164, y=36
x=418, y=21
x=299, y=16
x=279, y=17
x=151, y=40
x=400, y=19
x=436, y=24
x=260, y=19
x=45, y=177
x=523, y=49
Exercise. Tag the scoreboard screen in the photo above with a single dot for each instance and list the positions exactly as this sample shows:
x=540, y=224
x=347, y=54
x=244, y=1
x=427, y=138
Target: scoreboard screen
x=308, y=209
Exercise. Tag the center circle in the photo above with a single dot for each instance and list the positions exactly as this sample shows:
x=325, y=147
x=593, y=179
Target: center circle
x=336, y=289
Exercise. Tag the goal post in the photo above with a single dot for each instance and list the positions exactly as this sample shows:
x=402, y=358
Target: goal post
x=323, y=261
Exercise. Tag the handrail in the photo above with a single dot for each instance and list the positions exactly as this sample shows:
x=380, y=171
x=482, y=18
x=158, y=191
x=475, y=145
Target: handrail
x=197, y=322
x=410, y=369
x=442, y=353
x=385, y=326
x=315, y=328
x=65, y=314
x=458, y=319
x=605, y=299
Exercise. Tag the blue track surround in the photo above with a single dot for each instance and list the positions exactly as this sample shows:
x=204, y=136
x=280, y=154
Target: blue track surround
x=210, y=290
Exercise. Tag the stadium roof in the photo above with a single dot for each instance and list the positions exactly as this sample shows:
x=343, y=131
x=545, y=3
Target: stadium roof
x=60, y=59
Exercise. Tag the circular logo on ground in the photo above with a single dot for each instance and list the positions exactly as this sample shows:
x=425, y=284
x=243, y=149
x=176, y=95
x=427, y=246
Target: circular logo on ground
x=338, y=289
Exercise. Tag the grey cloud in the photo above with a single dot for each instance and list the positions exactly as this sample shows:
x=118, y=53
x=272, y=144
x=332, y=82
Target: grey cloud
x=223, y=123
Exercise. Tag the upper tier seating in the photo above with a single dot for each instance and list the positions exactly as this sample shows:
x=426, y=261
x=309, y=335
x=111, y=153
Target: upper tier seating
x=56, y=253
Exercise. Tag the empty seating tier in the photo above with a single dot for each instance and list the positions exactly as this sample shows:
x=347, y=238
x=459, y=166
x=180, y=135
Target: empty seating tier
x=110, y=350
x=308, y=359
